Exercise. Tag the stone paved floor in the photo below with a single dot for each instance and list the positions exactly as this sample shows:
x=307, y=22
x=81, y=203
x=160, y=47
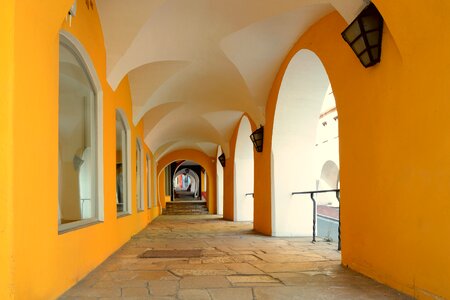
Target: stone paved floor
x=236, y=264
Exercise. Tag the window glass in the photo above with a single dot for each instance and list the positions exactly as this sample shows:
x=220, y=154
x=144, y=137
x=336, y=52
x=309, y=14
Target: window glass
x=121, y=165
x=77, y=161
x=149, y=200
x=139, y=177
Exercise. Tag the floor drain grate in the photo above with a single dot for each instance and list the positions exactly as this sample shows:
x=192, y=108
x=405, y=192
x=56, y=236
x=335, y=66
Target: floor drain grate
x=171, y=253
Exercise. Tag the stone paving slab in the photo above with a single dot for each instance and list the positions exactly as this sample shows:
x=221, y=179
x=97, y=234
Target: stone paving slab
x=251, y=279
x=243, y=268
x=235, y=264
x=231, y=293
x=203, y=282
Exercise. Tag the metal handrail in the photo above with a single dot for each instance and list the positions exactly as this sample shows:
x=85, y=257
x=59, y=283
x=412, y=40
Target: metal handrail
x=338, y=197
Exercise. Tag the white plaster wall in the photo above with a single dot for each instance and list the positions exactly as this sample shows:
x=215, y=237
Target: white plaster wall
x=219, y=184
x=300, y=99
x=243, y=173
x=244, y=185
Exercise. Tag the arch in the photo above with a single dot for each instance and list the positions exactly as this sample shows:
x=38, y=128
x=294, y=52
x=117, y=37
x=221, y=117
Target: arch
x=243, y=173
x=302, y=92
x=328, y=179
x=330, y=174
x=208, y=163
x=194, y=181
x=220, y=178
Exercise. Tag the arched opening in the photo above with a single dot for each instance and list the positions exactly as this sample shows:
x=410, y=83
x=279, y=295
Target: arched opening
x=80, y=172
x=139, y=176
x=327, y=203
x=183, y=188
x=243, y=173
x=123, y=164
x=305, y=134
x=219, y=183
x=186, y=184
x=148, y=182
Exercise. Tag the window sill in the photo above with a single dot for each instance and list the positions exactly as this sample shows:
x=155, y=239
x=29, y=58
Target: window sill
x=64, y=228
x=140, y=210
x=123, y=214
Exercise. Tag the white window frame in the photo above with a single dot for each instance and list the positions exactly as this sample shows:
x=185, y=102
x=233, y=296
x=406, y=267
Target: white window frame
x=77, y=48
x=128, y=204
x=139, y=169
x=154, y=185
x=148, y=164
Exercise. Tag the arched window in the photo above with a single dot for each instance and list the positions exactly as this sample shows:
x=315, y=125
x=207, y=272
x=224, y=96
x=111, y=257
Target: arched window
x=80, y=200
x=139, y=177
x=123, y=158
x=148, y=165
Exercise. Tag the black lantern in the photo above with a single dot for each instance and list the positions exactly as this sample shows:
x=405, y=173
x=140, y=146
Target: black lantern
x=364, y=35
x=257, y=138
x=222, y=159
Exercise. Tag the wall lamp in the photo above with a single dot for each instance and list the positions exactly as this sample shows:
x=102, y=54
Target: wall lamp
x=364, y=35
x=257, y=138
x=222, y=159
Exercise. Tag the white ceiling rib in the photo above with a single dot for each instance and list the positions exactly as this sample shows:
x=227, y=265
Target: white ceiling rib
x=196, y=66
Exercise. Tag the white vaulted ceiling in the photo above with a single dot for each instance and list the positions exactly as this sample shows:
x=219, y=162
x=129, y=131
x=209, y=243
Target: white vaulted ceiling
x=196, y=66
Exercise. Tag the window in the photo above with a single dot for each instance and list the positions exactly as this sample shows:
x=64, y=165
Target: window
x=139, y=177
x=168, y=180
x=122, y=164
x=79, y=127
x=155, y=196
x=149, y=199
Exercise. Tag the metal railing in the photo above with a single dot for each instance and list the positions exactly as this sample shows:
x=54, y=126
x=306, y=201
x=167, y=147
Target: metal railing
x=338, y=197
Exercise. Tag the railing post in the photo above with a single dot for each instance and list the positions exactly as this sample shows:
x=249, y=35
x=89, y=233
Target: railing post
x=338, y=196
x=314, y=217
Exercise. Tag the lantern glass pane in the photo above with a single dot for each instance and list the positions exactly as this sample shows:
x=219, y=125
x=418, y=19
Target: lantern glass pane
x=359, y=46
x=375, y=53
x=352, y=32
x=370, y=23
x=373, y=38
x=365, y=59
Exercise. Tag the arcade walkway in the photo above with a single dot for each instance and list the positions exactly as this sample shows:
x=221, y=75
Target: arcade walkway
x=235, y=263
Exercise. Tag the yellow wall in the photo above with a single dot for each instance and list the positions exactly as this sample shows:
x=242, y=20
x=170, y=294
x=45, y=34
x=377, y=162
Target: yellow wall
x=202, y=179
x=163, y=198
x=393, y=122
x=394, y=150
x=46, y=263
x=6, y=153
x=208, y=163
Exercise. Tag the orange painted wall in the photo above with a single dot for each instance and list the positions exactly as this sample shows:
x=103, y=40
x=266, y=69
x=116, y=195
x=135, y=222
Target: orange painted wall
x=162, y=197
x=202, y=180
x=208, y=163
x=56, y=262
x=393, y=150
x=6, y=153
x=152, y=211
